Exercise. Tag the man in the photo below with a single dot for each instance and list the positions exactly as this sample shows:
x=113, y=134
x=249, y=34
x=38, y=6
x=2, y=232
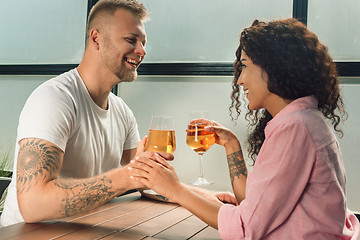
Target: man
x=73, y=132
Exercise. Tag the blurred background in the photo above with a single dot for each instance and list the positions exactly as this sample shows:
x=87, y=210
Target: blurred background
x=188, y=67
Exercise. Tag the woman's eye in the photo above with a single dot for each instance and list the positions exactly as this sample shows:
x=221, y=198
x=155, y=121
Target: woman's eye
x=242, y=66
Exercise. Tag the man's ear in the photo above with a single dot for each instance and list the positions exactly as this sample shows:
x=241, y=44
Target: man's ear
x=94, y=38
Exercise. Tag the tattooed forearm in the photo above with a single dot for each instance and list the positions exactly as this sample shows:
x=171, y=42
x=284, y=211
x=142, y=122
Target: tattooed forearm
x=237, y=165
x=38, y=165
x=36, y=160
x=81, y=195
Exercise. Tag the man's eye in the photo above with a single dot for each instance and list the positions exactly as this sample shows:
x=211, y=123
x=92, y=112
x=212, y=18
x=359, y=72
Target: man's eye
x=242, y=66
x=131, y=40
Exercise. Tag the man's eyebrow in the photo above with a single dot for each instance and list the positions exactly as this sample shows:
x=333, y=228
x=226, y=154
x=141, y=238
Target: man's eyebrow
x=243, y=59
x=138, y=36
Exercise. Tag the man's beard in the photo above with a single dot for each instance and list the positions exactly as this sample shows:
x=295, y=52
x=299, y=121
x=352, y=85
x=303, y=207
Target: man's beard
x=126, y=75
x=122, y=72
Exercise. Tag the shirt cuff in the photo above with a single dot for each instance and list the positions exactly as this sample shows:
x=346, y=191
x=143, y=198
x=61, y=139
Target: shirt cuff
x=230, y=225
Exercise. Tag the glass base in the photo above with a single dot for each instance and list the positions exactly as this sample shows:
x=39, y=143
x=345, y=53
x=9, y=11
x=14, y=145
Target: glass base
x=201, y=182
x=151, y=192
x=154, y=195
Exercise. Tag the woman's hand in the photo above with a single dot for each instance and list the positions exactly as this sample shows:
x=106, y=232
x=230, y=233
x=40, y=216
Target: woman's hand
x=216, y=197
x=223, y=136
x=226, y=197
x=156, y=173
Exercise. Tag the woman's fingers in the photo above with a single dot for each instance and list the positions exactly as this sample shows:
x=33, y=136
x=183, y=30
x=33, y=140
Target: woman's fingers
x=210, y=128
x=166, y=156
x=161, y=160
x=204, y=121
x=151, y=158
x=142, y=180
x=139, y=168
x=144, y=165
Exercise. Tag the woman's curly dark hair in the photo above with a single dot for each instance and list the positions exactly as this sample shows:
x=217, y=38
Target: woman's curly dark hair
x=297, y=65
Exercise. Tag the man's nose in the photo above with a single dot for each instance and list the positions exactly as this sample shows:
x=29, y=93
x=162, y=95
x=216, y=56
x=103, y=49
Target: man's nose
x=140, y=49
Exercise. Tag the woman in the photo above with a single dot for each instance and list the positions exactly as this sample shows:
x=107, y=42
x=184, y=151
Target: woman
x=297, y=187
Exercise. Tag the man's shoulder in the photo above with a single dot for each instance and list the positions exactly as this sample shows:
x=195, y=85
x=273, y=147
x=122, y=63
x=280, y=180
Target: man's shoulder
x=61, y=85
x=64, y=80
x=117, y=102
x=119, y=106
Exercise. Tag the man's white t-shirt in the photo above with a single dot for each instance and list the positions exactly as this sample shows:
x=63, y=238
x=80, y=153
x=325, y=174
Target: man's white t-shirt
x=62, y=112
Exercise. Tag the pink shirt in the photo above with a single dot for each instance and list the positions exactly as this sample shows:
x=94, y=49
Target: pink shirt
x=297, y=187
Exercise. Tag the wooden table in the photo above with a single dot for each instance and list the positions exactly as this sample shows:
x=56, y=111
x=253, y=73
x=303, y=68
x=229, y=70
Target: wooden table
x=126, y=217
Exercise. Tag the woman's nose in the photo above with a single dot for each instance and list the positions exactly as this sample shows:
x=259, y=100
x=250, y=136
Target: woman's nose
x=240, y=81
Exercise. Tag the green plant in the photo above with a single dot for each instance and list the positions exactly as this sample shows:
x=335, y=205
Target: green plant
x=5, y=165
x=5, y=178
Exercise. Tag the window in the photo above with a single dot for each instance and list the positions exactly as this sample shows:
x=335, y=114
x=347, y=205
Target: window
x=42, y=31
x=189, y=31
x=336, y=23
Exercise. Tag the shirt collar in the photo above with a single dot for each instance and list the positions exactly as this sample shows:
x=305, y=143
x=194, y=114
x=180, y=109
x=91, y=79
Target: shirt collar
x=300, y=103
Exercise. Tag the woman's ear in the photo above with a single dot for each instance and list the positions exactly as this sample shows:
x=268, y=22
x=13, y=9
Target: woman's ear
x=264, y=76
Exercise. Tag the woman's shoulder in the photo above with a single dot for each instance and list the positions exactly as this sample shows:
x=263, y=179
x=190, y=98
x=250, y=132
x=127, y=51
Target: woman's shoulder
x=314, y=123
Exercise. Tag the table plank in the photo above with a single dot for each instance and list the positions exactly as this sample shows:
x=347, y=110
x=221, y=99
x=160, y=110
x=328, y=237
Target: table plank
x=184, y=229
x=158, y=224
x=51, y=231
x=127, y=236
x=22, y=228
x=208, y=233
x=88, y=233
x=139, y=216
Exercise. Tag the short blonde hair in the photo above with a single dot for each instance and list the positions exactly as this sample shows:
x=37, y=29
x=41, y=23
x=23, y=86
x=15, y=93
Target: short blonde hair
x=108, y=7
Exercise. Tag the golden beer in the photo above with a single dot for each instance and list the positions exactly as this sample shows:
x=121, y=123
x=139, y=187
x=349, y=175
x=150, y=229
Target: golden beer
x=161, y=141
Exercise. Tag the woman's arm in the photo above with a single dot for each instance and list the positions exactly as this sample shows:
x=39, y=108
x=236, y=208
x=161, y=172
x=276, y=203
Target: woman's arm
x=237, y=171
x=204, y=208
x=216, y=196
x=235, y=159
x=160, y=176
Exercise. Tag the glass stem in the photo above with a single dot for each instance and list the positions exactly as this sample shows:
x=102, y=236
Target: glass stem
x=201, y=166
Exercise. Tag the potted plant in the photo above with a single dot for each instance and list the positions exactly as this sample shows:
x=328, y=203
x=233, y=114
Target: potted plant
x=5, y=178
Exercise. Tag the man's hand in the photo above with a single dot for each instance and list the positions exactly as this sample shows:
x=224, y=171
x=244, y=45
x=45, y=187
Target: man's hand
x=141, y=145
x=141, y=151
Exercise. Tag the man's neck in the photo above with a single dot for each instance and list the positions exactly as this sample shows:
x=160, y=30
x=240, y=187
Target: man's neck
x=97, y=84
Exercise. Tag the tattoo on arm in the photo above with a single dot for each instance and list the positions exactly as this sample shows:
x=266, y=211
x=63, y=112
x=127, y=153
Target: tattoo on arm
x=237, y=165
x=82, y=195
x=40, y=161
x=36, y=160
